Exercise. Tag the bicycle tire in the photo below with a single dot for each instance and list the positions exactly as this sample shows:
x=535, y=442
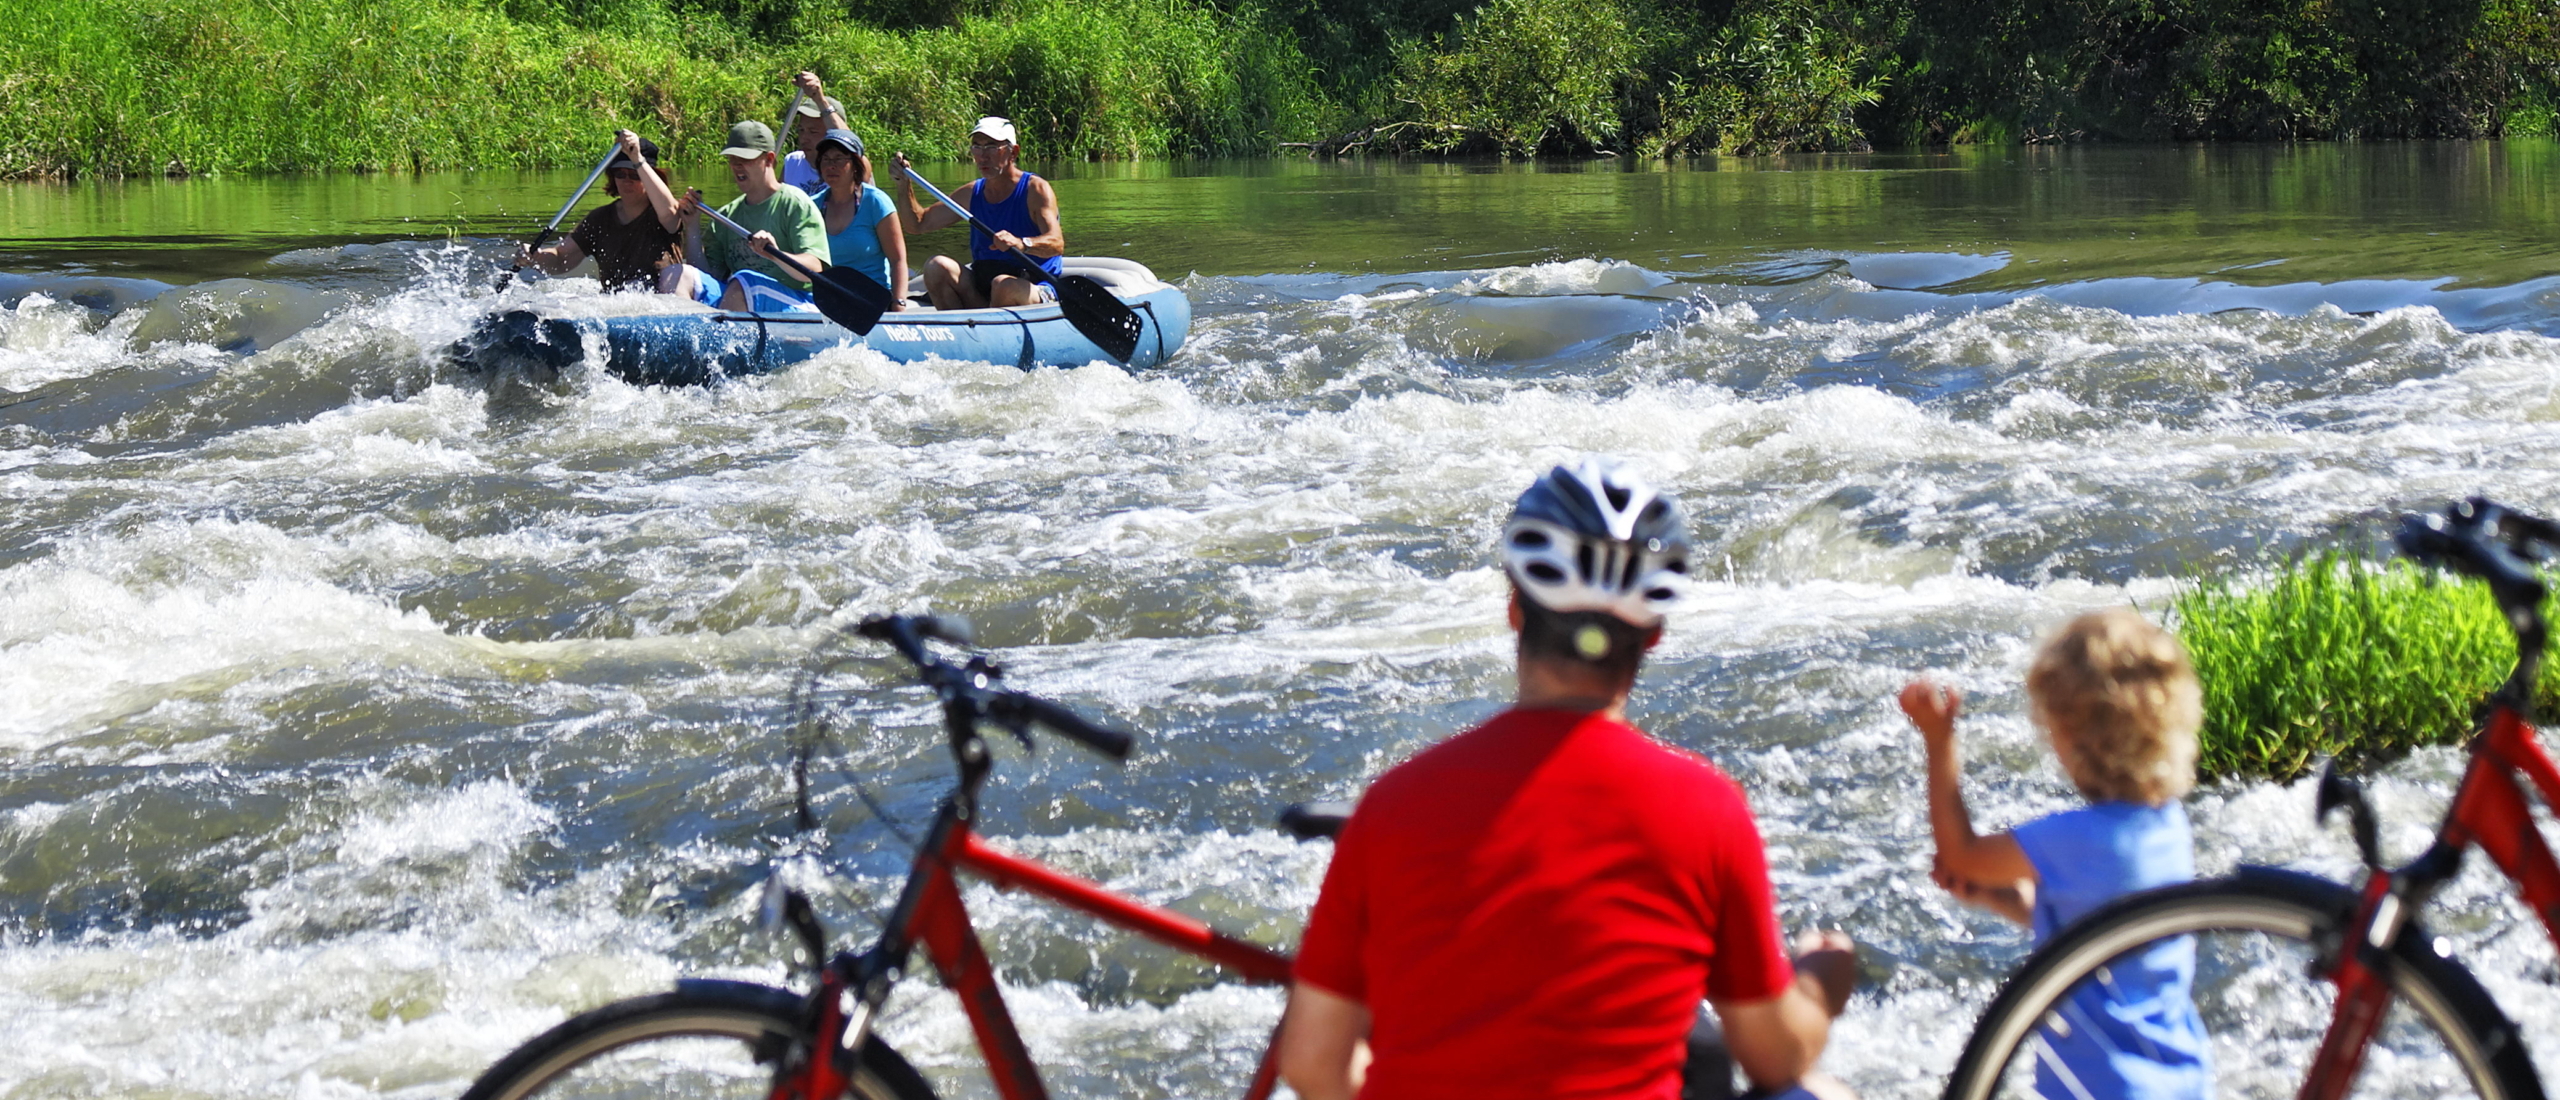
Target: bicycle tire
x=2303, y=910
x=704, y=1038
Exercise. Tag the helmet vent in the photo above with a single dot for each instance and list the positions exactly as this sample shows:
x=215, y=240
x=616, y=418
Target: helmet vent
x=1531, y=539
x=1582, y=562
x=1617, y=494
x=1544, y=572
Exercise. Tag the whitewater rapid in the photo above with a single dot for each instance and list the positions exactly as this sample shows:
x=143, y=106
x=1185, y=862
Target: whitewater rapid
x=360, y=718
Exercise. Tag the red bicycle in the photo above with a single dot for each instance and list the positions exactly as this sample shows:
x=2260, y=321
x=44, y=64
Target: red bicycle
x=727, y=1038
x=2310, y=988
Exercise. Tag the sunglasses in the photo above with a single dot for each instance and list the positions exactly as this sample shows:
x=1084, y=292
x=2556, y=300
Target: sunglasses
x=976, y=147
x=624, y=173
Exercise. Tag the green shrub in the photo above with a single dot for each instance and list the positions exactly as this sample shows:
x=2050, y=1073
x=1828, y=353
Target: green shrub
x=2336, y=656
x=1522, y=77
x=1779, y=78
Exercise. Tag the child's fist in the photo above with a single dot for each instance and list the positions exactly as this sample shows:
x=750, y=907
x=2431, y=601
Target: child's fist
x=1932, y=708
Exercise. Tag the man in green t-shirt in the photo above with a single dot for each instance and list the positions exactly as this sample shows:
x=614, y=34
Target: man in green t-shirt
x=725, y=272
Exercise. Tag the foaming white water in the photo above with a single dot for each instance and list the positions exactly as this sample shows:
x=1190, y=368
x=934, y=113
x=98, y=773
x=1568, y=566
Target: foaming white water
x=364, y=718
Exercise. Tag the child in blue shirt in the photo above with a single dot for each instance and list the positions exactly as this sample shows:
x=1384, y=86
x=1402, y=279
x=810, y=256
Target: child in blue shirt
x=2120, y=703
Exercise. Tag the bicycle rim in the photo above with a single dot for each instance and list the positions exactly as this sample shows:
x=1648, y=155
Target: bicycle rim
x=704, y=1041
x=2260, y=1011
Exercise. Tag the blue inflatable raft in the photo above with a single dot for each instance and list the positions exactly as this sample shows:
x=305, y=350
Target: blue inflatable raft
x=690, y=349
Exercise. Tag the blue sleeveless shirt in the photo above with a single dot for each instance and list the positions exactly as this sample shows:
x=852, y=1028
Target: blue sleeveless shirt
x=1013, y=215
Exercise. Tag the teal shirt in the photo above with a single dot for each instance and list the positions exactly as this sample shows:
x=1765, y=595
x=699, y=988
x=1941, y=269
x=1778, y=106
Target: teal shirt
x=858, y=247
x=794, y=222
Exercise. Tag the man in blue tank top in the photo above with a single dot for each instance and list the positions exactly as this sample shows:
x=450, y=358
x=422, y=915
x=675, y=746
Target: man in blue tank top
x=1019, y=206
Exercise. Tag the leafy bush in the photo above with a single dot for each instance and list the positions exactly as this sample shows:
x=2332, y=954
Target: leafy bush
x=1779, y=78
x=2336, y=656
x=1522, y=77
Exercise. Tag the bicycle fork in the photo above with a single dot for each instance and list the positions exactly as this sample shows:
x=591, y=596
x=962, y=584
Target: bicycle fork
x=2354, y=962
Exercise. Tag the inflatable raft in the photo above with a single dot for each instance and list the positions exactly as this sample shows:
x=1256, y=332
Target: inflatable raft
x=690, y=349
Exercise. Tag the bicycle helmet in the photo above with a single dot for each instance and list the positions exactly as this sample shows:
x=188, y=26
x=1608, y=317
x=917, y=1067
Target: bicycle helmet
x=1592, y=535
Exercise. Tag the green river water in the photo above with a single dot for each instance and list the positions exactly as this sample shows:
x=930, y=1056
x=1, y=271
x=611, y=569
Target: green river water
x=361, y=717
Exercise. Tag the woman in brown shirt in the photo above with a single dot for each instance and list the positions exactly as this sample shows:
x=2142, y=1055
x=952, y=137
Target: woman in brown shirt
x=630, y=237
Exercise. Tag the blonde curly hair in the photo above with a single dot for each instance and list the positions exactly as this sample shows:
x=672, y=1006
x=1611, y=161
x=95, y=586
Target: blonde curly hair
x=2119, y=694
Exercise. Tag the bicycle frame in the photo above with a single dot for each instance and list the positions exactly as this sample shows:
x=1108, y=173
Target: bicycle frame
x=2489, y=811
x=931, y=914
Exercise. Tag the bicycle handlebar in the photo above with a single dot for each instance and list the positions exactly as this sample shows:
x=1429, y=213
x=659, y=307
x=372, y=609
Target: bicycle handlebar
x=2483, y=539
x=975, y=686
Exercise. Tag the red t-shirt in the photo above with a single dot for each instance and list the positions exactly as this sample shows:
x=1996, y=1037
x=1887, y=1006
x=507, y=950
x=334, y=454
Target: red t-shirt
x=1535, y=907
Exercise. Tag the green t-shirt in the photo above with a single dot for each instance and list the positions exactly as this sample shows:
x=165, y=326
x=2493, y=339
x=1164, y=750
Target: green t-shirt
x=794, y=222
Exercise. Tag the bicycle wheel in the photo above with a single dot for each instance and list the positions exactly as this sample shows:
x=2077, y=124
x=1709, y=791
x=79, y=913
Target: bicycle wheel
x=2255, y=937
x=705, y=1039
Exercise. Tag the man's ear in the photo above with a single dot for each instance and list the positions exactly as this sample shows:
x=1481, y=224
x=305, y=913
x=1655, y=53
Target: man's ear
x=1652, y=637
x=1517, y=621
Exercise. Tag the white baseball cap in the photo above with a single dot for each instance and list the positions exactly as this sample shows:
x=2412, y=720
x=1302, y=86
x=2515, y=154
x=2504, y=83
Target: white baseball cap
x=997, y=128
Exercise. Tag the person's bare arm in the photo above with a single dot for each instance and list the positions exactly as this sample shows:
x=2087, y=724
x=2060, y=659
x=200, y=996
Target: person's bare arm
x=912, y=217
x=690, y=213
x=2016, y=902
x=893, y=247
x=1778, y=1040
x=1993, y=862
x=555, y=258
x=764, y=245
x=1043, y=209
x=1322, y=1043
x=662, y=202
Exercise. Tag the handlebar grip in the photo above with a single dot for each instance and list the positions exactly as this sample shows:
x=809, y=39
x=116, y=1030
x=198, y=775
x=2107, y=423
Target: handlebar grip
x=1108, y=742
x=2469, y=545
x=1315, y=820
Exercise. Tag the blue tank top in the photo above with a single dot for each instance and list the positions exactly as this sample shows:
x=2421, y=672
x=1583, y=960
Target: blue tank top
x=1013, y=215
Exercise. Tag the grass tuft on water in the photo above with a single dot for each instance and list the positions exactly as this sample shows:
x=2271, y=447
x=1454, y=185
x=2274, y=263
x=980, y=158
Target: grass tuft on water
x=2337, y=656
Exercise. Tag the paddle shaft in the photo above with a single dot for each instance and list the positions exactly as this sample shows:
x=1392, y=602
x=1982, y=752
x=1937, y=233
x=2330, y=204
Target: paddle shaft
x=544, y=237
x=974, y=223
x=790, y=115
x=747, y=236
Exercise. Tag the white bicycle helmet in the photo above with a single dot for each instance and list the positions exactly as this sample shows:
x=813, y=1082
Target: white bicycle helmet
x=1594, y=536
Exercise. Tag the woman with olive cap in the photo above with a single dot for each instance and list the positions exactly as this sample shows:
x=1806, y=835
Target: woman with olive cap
x=862, y=226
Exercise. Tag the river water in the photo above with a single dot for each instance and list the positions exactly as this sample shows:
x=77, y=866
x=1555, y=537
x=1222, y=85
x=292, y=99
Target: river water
x=360, y=718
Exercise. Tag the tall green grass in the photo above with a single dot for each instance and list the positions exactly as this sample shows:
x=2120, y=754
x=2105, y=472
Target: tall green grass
x=2337, y=656
x=131, y=88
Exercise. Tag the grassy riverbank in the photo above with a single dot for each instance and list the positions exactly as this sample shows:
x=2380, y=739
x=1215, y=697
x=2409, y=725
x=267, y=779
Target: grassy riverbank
x=226, y=85
x=140, y=86
x=2333, y=656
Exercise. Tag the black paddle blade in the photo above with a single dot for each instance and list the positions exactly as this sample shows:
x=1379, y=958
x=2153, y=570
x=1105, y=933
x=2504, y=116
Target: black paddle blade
x=850, y=298
x=1100, y=315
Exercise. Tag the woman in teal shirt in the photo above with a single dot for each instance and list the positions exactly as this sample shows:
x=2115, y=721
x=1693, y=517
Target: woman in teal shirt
x=863, y=233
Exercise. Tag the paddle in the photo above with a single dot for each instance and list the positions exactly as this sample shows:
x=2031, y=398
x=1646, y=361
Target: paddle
x=847, y=297
x=544, y=237
x=1096, y=312
x=790, y=115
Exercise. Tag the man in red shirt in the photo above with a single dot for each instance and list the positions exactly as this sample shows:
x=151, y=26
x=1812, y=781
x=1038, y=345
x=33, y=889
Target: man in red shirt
x=1535, y=907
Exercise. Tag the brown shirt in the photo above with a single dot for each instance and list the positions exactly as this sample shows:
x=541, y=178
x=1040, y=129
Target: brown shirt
x=628, y=253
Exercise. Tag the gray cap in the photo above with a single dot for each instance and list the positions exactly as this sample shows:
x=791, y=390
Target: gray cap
x=811, y=108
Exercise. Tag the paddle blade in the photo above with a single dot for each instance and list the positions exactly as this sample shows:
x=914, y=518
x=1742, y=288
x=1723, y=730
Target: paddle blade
x=850, y=298
x=1100, y=315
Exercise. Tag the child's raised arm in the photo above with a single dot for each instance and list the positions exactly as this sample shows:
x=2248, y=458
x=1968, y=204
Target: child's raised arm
x=1989, y=871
